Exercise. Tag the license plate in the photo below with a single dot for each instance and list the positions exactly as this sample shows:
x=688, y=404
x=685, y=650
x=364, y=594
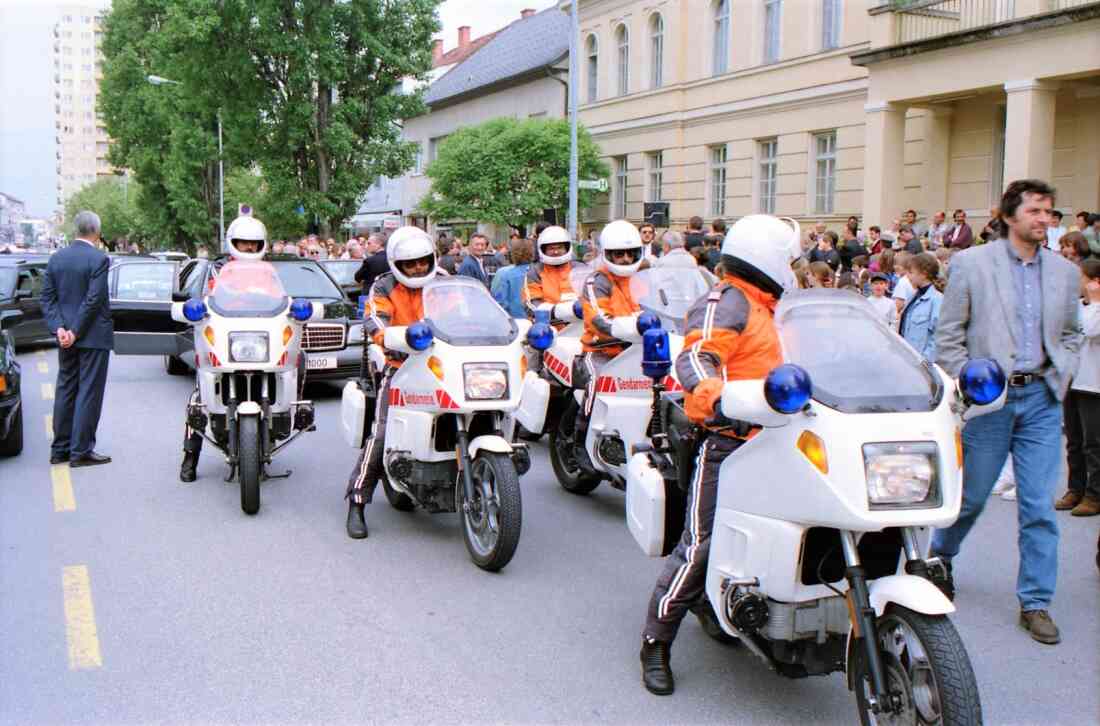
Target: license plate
x=320, y=362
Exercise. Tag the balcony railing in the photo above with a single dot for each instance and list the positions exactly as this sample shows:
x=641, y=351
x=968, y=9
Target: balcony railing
x=917, y=20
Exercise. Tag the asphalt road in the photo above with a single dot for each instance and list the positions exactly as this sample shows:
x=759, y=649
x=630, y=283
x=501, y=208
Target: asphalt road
x=187, y=610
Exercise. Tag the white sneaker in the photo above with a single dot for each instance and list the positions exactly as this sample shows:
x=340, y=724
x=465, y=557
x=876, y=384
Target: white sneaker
x=1006, y=480
x=1009, y=494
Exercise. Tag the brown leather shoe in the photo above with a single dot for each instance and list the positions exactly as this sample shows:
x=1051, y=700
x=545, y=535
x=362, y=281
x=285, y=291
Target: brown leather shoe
x=1040, y=625
x=1089, y=507
x=1069, y=500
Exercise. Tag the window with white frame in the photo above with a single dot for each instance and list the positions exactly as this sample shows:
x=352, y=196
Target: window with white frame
x=593, y=68
x=656, y=50
x=766, y=151
x=716, y=173
x=622, y=46
x=832, y=13
x=655, y=167
x=418, y=159
x=619, y=196
x=773, y=18
x=720, y=52
x=825, y=172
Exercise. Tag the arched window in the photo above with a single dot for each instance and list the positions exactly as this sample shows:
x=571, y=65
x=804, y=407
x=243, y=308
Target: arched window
x=656, y=51
x=593, y=67
x=622, y=45
x=720, y=62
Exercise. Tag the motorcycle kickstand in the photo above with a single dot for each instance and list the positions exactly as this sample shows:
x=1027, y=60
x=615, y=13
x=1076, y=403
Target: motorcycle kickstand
x=268, y=475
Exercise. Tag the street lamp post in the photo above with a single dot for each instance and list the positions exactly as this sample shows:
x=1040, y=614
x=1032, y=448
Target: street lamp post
x=159, y=81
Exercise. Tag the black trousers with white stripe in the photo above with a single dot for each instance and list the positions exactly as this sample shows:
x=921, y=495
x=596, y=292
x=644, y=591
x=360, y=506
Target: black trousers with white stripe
x=682, y=583
x=368, y=469
x=585, y=374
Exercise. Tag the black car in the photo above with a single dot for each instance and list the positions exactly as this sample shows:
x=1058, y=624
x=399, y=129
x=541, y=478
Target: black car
x=21, y=280
x=141, y=300
x=11, y=405
x=343, y=271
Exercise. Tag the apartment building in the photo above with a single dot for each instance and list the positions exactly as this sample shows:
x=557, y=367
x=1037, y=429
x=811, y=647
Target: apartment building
x=82, y=141
x=818, y=109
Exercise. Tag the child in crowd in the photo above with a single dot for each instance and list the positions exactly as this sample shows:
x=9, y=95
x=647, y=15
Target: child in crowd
x=885, y=307
x=903, y=287
x=921, y=314
x=821, y=275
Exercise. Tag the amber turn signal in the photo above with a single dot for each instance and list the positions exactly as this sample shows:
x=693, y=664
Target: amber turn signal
x=813, y=448
x=436, y=367
x=208, y=333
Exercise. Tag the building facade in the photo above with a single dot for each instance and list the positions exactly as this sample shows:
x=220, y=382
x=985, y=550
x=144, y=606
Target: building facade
x=521, y=72
x=819, y=109
x=12, y=213
x=82, y=141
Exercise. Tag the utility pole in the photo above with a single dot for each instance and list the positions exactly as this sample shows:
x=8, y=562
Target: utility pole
x=574, y=73
x=221, y=185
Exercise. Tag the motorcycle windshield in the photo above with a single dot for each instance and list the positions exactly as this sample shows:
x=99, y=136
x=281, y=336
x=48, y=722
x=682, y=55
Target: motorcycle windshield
x=669, y=292
x=248, y=289
x=857, y=363
x=578, y=275
x=460, y=311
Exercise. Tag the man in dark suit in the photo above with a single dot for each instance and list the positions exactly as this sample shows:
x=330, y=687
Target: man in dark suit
x=374, y=264
x=77, y=308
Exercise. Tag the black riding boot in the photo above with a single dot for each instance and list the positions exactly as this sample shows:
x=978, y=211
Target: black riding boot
x=656, y=673
x=191, y=449
x=357, y=521
x=580, y=433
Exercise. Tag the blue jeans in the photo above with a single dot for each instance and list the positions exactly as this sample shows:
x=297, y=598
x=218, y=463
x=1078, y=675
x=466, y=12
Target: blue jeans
x=1030, y=428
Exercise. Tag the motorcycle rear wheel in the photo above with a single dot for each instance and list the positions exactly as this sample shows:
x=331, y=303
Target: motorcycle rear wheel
x=249, y=462
x=927, y=664
x=563, y=455
x=491, y=523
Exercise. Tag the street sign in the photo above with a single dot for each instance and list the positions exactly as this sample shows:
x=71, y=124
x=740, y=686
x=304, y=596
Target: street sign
x=599, y=185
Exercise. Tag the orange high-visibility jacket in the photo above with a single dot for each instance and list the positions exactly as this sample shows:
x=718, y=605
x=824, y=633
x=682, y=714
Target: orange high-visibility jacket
x=391, y=303
x=606, y=296
x=546, y=284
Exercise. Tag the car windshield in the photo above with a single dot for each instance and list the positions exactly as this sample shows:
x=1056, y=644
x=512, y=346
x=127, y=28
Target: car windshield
x=668, y=292
x=247, y=289
x=8, y=275
x=307, y=279
x=460, y=311
x=857, y=364
x=343, y=271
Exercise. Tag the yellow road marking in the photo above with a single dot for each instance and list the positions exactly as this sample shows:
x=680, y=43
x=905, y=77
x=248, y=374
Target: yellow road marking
x=63, y=499
x=43, y=366
x=47, y=391
x=49, y=425
x=80, y=628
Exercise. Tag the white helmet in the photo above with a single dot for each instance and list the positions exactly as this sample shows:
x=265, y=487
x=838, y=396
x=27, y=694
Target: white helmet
x=407, y=244
x=246, y=228
x=621, y=235
x=769, y=244
x=555, y=236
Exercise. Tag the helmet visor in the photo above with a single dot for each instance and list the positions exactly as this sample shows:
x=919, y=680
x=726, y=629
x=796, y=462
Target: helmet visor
x=419, y=267
x=246, y=246
x=624, y=257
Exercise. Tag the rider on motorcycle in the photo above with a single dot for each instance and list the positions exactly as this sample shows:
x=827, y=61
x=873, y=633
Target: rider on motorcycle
x=246, y=239
x=395, y=299
x=730, y=337
x=610, y=314
x=547, y=285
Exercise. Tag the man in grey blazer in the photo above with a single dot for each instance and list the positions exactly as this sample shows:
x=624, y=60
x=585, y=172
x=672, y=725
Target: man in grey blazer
x=1015, y=301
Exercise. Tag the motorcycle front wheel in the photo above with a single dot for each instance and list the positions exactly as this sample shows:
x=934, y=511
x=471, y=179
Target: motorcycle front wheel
x=491, y=522
x=563, y=455
x=249, y=462
x=928, y=668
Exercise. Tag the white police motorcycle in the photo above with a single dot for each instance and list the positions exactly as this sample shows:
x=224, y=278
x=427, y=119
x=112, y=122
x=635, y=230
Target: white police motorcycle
x=247, y=337
x=818, y=557
x=448, y=443
x=624, y=395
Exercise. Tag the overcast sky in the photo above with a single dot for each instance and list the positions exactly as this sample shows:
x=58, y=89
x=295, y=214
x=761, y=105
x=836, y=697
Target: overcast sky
x=28, y=160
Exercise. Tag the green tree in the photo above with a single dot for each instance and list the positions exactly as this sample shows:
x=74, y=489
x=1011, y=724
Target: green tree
x=308, y=93
x=508, y=171
x=115, y=201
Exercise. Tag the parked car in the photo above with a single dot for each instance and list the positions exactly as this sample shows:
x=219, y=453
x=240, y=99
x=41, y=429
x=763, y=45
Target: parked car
x=11, y=404
x=170, y=256
x=21, y=280
x=343, y=271
x=142, y=293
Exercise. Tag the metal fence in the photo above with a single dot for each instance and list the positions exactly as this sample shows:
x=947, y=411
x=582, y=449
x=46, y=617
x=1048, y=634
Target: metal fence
x=922, y=19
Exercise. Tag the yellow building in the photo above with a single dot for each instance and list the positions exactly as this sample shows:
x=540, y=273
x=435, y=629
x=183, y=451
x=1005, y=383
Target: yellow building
x=82, y=141
x=819, y=109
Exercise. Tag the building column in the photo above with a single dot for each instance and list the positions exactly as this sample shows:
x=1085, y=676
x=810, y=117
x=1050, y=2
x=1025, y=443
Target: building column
x=937, y=159
x=1087, y=153
x=884, y=162
x=1029, y=130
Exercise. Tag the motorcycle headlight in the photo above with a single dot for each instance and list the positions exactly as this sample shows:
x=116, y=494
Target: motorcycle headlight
x=485, y=381
x=902, y=475
x=248, y=347
x=355, y=334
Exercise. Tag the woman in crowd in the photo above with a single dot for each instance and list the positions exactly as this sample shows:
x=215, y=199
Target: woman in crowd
x=508, y=282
